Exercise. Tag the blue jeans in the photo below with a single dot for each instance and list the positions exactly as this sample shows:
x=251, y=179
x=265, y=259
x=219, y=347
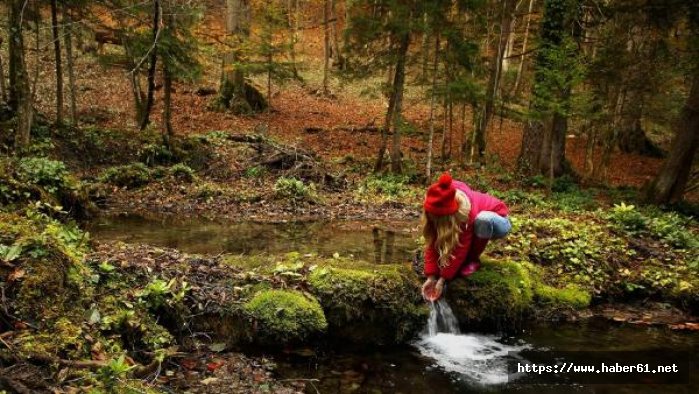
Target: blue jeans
x=490, y=225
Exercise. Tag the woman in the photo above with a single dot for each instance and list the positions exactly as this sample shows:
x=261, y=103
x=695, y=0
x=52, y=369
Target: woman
x=457, y=225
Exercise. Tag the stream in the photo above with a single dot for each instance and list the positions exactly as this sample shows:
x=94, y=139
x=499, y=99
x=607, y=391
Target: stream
x=444, y=359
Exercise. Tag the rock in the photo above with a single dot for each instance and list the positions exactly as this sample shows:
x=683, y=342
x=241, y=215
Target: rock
x=282, y=316
x=379, y=304
x=498, y=294
x=501, y=294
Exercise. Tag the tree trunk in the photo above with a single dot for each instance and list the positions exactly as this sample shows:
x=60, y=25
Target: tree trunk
x=167, y=105
x=590, y=151
x=425, y=48
x=669, y=185
x=57, y=55
x=494, y=79
x=237, y=95
x=399, y=84
x=532, y=141
x=433, y=95
x=520, y=69
x=383, y=144
x=338, y=59
x=326, y=46
x=68, y=22
x=553, y=154
x=511, y=34
x=269, y=80
x=293, y=18
x=20, y=93
x=3, y=87
x=148, y=106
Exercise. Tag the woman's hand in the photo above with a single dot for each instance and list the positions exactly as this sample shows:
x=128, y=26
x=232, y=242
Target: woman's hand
x=438, y=289
x=432, y=289
x=428, y=288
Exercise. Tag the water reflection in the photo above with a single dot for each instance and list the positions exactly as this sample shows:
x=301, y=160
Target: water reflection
x=367, y=241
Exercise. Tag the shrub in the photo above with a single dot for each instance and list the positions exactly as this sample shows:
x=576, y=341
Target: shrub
x=294, y=189
x=155, y=153
x=537, y=181
x=628, y=217
x=128, y=176
x=50, y=174
x=565, y=183
x=673, y=229
x=183, y=172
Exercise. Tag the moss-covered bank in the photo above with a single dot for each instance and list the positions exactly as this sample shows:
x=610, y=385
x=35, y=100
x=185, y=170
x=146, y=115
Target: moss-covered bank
x=503, y=293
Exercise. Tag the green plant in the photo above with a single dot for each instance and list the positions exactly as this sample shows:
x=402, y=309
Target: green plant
x=294, y=189
x=159, y=292
x=389, y=185
x=628, y=217
x=673, y=229
x=574, y=200
x=537, y=181
x=255, y=172
x=114, y=370
x=565, y=183
x=183, y=172
x=50, y=174
x=129, y=176
x=155, y=153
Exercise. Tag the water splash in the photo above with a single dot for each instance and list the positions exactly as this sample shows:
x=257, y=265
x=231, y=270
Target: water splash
x=477, y=359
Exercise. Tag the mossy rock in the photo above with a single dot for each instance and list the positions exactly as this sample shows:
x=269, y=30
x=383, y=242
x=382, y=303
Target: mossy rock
x=285, y=316
x=570, y=297
x=499, y=293
x=49, y=274
x=378, y=304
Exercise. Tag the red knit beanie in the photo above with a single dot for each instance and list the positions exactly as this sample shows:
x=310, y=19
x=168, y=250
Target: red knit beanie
x=440, y=199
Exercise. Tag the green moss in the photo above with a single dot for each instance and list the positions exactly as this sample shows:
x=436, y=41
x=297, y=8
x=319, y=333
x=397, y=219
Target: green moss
x=571, y=296
x=369, y=303
x=285, y=316
x=499, y=292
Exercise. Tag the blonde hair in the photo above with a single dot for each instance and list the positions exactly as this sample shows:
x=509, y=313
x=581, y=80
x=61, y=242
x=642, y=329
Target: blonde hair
x=444, y=231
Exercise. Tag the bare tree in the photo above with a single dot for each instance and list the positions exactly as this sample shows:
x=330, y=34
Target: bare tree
x=428, y=173
x=157, y=15
x=520, y=67
x=494, y=79
x=326, y=46
x=68, y=39
x=20, y=92
x=57, y=55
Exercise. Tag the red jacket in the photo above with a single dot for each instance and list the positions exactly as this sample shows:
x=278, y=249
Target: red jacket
x=469, y=247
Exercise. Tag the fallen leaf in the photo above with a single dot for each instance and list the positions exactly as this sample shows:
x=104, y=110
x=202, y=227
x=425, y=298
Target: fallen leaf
x=189, y=363
x=18, y=273
x=208, y=381
x=214, y=365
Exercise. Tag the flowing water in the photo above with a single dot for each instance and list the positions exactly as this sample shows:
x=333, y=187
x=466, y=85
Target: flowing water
x=480, y=359
x=443, y=359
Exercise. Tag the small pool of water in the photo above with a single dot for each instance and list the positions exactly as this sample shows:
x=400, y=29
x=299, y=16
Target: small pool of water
x=476, y=363
x=375, y=242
